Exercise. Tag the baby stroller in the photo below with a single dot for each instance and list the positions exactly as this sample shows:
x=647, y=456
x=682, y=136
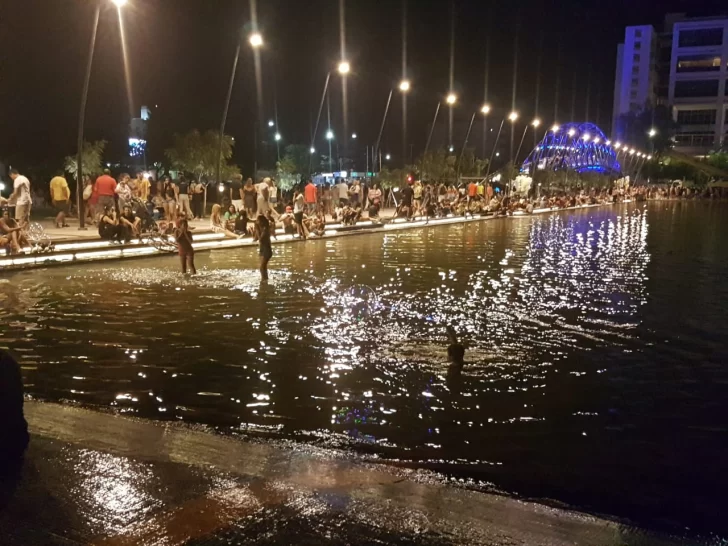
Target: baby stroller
x=144, y=211
x=151, y=234
x=39, y=240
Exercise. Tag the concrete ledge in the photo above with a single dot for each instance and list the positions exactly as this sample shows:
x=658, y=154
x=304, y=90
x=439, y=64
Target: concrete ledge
x=97, y=478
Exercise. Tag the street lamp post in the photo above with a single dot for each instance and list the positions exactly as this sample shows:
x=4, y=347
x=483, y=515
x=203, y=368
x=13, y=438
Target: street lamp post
x=256, y=41
x=82, y=114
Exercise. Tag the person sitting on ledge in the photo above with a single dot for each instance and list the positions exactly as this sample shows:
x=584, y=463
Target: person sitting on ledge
x=217, y=223
x=289, y=226
x=109, y=228
x=11, y=236
x=129, y=224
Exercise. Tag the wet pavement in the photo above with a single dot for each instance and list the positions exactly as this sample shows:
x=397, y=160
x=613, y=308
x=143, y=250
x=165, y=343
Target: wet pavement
x=101, y=479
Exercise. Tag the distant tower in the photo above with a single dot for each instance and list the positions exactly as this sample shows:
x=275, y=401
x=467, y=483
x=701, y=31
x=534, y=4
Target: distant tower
x=138, y=138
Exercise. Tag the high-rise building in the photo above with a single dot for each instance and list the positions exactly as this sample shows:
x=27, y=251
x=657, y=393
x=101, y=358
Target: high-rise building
x=636, y=77
x=684, y=67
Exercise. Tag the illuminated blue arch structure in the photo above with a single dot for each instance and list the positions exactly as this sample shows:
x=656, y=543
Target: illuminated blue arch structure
x=580, y=147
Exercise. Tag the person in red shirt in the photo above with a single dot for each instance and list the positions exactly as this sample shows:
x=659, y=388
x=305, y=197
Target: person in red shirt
x=472, y=191
x=105, y=189
x=310, y=195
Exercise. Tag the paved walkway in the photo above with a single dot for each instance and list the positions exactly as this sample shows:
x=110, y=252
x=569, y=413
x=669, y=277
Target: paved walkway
x=99, y=479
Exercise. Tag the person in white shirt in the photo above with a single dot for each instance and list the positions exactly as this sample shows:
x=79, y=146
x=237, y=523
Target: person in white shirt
x=21, y=197
x=343, y=193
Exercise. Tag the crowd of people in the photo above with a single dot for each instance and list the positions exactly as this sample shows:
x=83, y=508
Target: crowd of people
x=124, y=207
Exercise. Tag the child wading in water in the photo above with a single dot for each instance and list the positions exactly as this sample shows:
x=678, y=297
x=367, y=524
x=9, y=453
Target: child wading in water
x=183, y=236
x=262, y=234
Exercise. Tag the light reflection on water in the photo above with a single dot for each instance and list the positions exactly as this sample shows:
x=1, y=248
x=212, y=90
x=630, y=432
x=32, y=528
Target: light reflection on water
x=346, y=344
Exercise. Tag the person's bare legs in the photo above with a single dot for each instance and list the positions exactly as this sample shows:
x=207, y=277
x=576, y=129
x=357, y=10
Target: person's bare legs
x=191, y=263
x=183, y=261
x=264, y=268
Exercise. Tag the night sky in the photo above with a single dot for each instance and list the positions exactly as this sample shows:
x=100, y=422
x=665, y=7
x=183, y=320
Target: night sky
x=181, y=52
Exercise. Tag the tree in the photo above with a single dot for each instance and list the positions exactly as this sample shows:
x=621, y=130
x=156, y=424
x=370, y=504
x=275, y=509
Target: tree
x=437, y=165
x=296, y=160
x=198, y=153
x=634, y=128
x=91, y=159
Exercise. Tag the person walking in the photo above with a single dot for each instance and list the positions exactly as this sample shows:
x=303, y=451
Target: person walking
x=310, y=193
x=184, y=196
x=343, y=192
x=60, y=194
x=89, y=199
x=105, y=189
x=21, y=197
x=265, y=250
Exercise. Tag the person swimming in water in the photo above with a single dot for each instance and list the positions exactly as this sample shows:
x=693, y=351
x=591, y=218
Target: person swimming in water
x=456, y=350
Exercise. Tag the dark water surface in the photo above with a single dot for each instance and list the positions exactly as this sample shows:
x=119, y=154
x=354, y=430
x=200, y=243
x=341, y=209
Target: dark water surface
x=596, y=339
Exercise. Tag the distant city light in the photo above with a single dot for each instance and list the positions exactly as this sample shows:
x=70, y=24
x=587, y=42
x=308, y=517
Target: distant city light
x=652, y=132
x=387, y=157
x=618, y=144
x=649, y=157
x=353, y=135
x=451, y=148
x=329, y=135
x=344, y=67
x=278, y=137
x=221, y=187
x=256, y=39
x=312, y=150
x=451, y=99
x=404, y=86
x=497, y=154
x=271, y=123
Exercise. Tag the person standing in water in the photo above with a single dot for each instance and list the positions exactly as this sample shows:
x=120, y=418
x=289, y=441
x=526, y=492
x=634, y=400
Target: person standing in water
x=183, y=236
x=262, y=234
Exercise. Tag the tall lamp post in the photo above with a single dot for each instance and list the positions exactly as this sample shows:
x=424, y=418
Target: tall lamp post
x=82, y=114
x=404, y=87
x=256, y=41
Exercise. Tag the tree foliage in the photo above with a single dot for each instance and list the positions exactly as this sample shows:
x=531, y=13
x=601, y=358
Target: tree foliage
x=634, y=128
x=296, y=160
x=444, y=166
x=198, y=153
x=92, y=156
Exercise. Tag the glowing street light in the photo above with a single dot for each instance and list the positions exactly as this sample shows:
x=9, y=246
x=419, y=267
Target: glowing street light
x=329, y=134
x=631, y=152
x=312, y=150
x=278, y=137
x=513, y=116
x=353, y=135
x=388, y=157
x=596, y=140
x=451, y=98
x=652, y=132
x=485, y=110
x=585, y=137
x=572, y=132
x=536, y=122
x=555, y=128
x=119, y=3
x=607, y=142
x=451, y=149
x=649, y=157
x=404, y=86
x=256, y=39
x=344, y=68
x=271, y=123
